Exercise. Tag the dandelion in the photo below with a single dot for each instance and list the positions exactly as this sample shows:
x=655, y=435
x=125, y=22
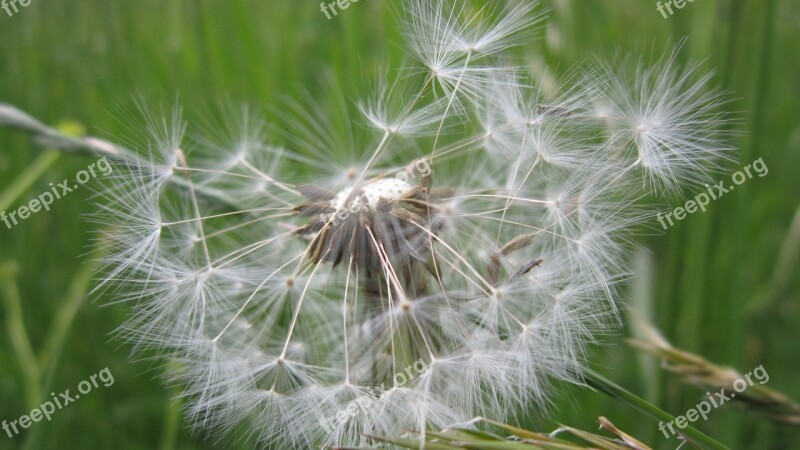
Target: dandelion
x=478, y=234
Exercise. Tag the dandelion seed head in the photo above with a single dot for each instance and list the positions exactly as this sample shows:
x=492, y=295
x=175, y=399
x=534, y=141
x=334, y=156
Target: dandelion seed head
x=450, y=251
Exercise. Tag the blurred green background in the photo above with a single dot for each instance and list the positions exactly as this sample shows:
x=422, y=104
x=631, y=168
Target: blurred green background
x=723, y=284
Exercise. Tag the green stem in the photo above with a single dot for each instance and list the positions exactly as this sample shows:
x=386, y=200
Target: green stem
x=20, y=343
x=65, y=316
x=28, y=177
x=604, y=385
x=172, y=420
x=58, y=333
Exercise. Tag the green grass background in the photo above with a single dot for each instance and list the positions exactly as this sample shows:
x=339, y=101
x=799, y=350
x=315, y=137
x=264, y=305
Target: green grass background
x=717, y=283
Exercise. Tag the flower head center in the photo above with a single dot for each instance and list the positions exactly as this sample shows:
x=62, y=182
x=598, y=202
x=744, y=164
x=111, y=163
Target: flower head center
x=370, y=194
